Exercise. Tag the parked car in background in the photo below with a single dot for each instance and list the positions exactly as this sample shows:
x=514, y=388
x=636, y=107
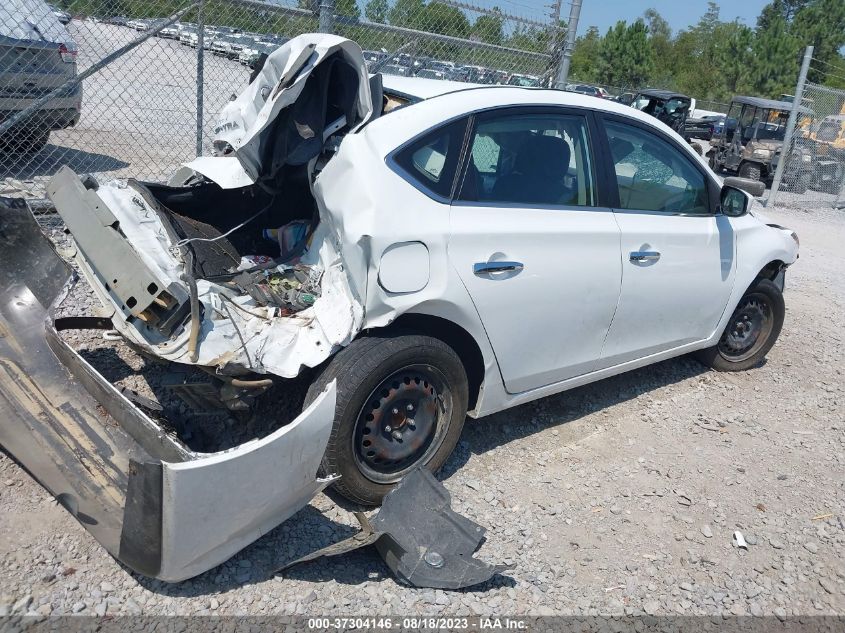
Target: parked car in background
x=62, y=16
x=138, y=24
x=171, y=32
x=117, y=20
x=665, y=105
x=703, y=127
x=586, y=89
x=828, y=144
x=524, y=81
x=433, y=266
x=37, y=55
x=751, y=143
x=373, y=57
x=396, y=69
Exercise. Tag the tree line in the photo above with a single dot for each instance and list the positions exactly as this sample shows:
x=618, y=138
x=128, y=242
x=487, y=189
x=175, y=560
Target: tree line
x=715, y=59
x=712, y=59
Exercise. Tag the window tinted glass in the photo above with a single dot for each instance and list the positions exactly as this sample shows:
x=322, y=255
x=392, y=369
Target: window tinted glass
x=431, y=161
x=652, y=174
x=539, y=159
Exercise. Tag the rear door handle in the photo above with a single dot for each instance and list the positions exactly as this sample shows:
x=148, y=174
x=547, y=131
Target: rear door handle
x=645, y=256
x=485, y=268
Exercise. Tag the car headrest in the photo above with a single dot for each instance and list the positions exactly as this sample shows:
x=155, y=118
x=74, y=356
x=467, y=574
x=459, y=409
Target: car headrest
x=377, y=92
x=543, y=157
x=620, y=148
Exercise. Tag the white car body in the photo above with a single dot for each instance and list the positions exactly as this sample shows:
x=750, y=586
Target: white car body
x=577, y=310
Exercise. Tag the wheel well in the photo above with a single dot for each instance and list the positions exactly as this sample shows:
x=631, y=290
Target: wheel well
x=455, y=337
x=771, y=270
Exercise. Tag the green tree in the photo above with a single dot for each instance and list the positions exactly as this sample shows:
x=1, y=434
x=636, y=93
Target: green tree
x=734, y=57
x=489, y=28
x=820, y=23
x=407, y=13
x=349, y=8
x=625, y=56
x=585, y=56
x=446, y=20
x=376, y=11
x=775, y=59
x=660, y=40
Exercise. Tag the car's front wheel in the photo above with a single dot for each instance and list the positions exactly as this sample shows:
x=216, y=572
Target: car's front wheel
x=401, y=403
x=751, y=332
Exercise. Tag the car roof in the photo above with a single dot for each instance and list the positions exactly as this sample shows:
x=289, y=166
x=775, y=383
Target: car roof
x=418, y=88
x=662, y=94
x=770, y=104
x=387, y=132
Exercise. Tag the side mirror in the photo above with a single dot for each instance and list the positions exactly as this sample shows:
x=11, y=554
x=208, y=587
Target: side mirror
x=733, y=201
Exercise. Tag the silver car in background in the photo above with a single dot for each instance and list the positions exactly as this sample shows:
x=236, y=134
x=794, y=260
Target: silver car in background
x=37, y=55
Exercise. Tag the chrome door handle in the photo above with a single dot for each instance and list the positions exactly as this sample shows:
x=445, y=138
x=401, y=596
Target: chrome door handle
x=645, y=256
x=485, y=268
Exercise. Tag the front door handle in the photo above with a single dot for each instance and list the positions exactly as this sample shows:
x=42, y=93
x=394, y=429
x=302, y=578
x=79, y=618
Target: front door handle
x=645, y=256
x=485, y=268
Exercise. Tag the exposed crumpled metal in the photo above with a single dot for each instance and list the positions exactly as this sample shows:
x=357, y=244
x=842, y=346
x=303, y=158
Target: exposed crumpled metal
x=423, y=541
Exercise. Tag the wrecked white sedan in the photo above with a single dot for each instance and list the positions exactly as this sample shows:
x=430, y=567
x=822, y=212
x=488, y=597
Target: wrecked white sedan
x=419, y=251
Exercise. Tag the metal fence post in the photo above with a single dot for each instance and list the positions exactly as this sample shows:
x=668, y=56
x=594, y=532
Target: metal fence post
x=326, y=16
x=200, y=74
x=572, y=28
x=790, y=126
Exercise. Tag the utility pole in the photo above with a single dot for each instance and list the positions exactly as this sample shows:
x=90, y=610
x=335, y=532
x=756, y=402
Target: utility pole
x=572, y=28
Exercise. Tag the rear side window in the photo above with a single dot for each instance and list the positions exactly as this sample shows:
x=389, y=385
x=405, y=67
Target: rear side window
x=430, y=161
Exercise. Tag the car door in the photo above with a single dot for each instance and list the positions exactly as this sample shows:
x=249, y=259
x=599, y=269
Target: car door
x=678, y=260
x=531, y=242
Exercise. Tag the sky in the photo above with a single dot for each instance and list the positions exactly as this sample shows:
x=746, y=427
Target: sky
x=678, y=13
x=604, y=13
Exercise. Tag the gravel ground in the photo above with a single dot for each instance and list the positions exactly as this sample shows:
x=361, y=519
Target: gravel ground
x=619, y=497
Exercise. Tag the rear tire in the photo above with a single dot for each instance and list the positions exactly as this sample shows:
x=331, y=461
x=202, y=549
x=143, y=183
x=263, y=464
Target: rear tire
x=751, y=331
x=401, y=403
x=750, y=170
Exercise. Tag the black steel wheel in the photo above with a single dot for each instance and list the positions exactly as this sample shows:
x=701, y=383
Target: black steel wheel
x=751, y=331
x=401, y=423
x=748, y=329
x=401, y=404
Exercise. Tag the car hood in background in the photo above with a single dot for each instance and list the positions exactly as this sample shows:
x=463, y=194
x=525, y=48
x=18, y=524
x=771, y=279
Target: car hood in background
x=31, y=21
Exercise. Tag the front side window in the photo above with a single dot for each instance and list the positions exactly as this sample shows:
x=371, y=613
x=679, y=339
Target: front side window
x=541, y=159
x=652, y=174
x=430, y=162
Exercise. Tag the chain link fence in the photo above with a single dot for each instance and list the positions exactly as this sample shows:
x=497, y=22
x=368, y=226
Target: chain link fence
x=814, y=173
x=132, y=88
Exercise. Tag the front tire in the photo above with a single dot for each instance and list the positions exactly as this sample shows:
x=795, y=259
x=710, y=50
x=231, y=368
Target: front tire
x=401, y=404
x=751, y=332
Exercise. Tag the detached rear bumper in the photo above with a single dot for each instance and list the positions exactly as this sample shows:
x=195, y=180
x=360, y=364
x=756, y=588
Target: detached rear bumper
x=161, y=509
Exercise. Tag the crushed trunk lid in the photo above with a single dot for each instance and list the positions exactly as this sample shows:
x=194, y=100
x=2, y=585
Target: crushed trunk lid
x=314, y=86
